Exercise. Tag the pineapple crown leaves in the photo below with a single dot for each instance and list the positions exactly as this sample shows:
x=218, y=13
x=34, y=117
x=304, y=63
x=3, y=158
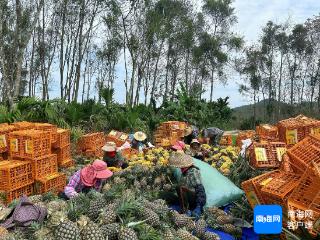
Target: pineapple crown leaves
x=146, y=232
x=115, y=192
x=49, y=196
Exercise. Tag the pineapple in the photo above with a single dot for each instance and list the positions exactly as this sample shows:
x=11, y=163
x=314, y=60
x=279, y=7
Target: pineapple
x=92, y=232
x=224, y=219
x=233, y=230
x=111, y=231
x=43, y=233
x=210, y=236
x=168, y=234
x=56, y=205
x=119, y=180
x=200, y=228
x=167, y=187
x=158, y=181
x=35, y=198
x=180, y=220
x=95, y=208
x=127, y=234
x=67, y=230
x=151, y=217
x=143, y=182
x=107, y=217
x=56, y=218
x=106, y=188
x=185, y=235
x=3, y=233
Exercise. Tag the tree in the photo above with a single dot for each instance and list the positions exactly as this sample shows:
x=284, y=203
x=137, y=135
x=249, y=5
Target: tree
x=17, y=22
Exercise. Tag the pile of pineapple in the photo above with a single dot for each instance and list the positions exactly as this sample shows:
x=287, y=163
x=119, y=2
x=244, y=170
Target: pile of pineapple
x=128, y=208
x=221, y=158
x=153, y=156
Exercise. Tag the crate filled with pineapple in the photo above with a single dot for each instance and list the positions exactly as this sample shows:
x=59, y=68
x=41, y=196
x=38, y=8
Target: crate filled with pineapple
x=221, y=158
x=151, y=157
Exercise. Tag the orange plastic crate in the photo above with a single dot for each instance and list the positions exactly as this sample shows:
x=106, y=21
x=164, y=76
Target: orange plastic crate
x=15, y=174
x=4, y=137
x=266, y=155
x=66, y=164
x=306, y=196
x=243, y=135
x=63, y=138
x=23, y=125
x=7, y=197
x=48, y=128
x=252, y=188
x=128, y=152
x=279, y=188
x=45, y=166
x=293, y=130
x=51, y=183
x=304, y=152
x=30, y=144
x=267, y=132
x=63, y=153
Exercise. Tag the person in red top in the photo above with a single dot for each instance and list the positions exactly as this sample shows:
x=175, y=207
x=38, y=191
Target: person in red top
x=89, y=177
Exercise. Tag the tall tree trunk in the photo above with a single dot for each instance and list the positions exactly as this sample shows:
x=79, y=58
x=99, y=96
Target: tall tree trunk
x=186, y=70
x=167, y=73
x=211, y=89
x=61, y=61
x=279, y=86
x=156, y=72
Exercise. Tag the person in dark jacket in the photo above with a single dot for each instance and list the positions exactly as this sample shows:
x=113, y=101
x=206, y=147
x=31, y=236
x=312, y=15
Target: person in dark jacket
x=190, y=133
x=212, y=135
x=191, y=192
x=112, y=157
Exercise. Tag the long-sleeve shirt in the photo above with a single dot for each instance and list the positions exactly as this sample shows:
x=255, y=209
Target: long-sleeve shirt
x=192, y=180
x=75, y=185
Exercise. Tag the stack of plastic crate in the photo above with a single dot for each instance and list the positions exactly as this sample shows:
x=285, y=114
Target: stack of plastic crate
x=168, y=133
x=34, y=146
x=90, y=145
x=62, y=147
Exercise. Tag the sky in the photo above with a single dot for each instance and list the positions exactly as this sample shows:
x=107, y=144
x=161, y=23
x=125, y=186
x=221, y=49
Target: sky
x=252, y=17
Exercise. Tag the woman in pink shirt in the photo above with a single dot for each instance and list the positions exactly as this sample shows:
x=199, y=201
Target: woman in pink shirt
x=90, y=177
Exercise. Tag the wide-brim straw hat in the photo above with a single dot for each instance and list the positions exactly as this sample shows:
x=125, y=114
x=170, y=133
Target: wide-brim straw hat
x=180, y=160
x=109, y=147
x=188, y=131
x=98, y=170
x=140, y=136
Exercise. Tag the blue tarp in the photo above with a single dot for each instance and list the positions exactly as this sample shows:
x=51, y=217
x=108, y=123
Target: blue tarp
x=247, y=233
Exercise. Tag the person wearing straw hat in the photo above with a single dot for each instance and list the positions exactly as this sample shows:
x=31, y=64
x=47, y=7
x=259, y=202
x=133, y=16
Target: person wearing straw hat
x=89, y=177
x=195, y=150
x=191, y=132
x=191, y=192
x=112, y=157
x=138, y=141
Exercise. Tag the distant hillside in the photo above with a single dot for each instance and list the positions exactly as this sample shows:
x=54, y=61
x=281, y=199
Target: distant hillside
x=243, y=116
